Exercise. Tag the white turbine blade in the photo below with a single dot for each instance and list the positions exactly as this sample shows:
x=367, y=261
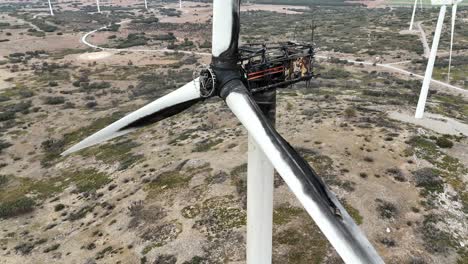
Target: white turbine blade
x=414, y=13
x=327, y=212
x=430, y=64
x=225, y=34
x=164, y=107
x=454, y=16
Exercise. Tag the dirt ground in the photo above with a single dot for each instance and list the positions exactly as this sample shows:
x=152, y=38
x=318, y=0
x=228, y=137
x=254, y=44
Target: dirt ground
x=197, y=213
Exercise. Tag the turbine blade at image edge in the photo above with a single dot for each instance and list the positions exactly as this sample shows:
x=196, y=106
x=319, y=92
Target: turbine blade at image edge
x=327, y=212
x=162, y=108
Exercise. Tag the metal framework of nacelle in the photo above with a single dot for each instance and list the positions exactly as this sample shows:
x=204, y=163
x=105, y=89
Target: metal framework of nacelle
x=224, y=78
x=435, y=45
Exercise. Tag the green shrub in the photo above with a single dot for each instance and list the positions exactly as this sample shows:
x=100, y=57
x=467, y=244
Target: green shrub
x=59, y=207
x=429, y=179
x=350, y=112
x=52, y=248
x=5, y=116
x=24, y=248
x=4, y=180
x=89, y=180
x=16, y=207
x=82, y=212
x=444, y=142
x=387, y=210
x=54, y=100
x=4, y=145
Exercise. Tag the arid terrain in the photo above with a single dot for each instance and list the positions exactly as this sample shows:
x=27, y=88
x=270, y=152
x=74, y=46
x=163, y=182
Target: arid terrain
x=175, y=192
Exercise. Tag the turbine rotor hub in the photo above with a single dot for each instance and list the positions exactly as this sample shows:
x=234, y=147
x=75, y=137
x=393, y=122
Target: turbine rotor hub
x=208, y=83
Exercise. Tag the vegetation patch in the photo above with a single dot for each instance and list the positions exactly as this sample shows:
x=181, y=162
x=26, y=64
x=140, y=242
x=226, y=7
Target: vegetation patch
x=81, y=213
x=19, y=195
x=168, y=181
x=16, y=207
x=444, y=142
x=207, y=145
x=54, y=147
x=386, y=210
x=451, y=169
x=112, y=153
x=353, y=212
x=285, y=213
x=435, y=239
x=147, y=215
x=219, y=215
x=191, y=211
x=429, y=179
x=160, y=235
x=304, y=244
x=4, y=144
x=88, y=180
x=4, y=179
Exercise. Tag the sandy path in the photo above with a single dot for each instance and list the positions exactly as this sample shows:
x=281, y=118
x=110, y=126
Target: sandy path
x=87, y=43
x=437, y=123
x=388, y=66
x=423, y=38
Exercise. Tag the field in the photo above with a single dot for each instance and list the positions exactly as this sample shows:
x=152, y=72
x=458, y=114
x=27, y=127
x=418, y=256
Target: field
x=175, y=192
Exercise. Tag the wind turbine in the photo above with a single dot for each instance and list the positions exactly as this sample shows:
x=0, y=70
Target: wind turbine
x=50, y=8
x=414, y=12
x=435, y=46
x=412, y=16
x=146, y=5
x=224, y=78
x=98, y=6
x=180, y=4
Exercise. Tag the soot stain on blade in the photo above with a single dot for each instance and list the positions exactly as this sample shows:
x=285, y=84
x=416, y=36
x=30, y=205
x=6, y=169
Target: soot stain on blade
x=312, y=184
x=233, y=46
x=160, y=115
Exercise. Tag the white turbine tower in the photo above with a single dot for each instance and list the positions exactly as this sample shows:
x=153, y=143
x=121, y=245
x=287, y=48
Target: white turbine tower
x=433, y=54
x=454, y=16
x=146, y=4
x=50, y=8
x=180, y=4
x=98, y=6
x=414, y=13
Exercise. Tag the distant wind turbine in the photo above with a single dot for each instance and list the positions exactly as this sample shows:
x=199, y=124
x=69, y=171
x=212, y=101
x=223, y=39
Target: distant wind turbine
x=146, y=5
x=50, y=7
x=414, y=12
x=98, y=7
x=180, y=4
x=435, y=46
